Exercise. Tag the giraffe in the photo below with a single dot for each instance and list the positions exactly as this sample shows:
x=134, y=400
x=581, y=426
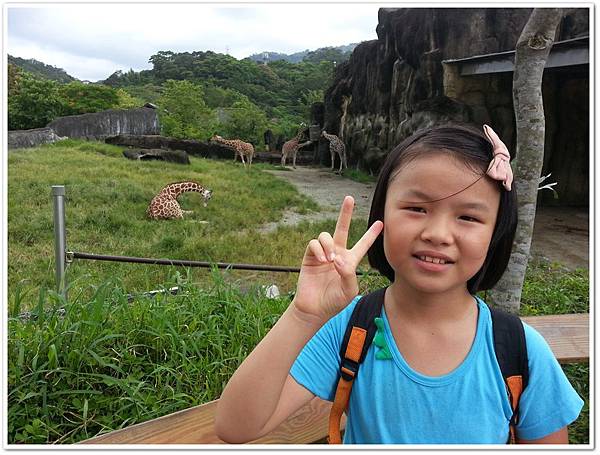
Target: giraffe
x=239, y=148
x=336, y=146
x=164, y=205
x=291, y=147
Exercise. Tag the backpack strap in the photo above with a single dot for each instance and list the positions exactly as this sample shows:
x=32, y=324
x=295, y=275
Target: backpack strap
x=359, y=334
x=511, y=352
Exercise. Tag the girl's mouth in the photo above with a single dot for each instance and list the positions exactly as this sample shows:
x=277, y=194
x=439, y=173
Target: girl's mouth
x=432, y=264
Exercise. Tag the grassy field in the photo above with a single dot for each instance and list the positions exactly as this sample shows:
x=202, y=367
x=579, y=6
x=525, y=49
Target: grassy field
x=97, y=362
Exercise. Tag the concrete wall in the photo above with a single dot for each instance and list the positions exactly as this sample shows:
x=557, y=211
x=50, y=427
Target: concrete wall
x=31, y=138
x=112, y=122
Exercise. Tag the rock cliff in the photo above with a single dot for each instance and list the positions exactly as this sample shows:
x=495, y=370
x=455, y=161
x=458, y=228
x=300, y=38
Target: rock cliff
x=395, y=84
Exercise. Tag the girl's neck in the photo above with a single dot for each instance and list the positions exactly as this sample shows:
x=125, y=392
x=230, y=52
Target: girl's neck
x=420, y=306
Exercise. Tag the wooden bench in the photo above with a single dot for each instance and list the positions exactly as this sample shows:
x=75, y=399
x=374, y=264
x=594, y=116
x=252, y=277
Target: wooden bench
x=567, y=335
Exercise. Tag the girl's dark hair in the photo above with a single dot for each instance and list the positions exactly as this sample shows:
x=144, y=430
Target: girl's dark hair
x=472, y=148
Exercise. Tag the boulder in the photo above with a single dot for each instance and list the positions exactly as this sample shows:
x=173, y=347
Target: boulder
x=172, y=156
x=18, y=139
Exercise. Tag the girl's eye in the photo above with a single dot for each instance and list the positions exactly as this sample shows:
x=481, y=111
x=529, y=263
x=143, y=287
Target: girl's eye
x=469, y=218
x=415, y=209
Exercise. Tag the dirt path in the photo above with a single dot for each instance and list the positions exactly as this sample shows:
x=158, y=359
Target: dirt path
x=560, y=234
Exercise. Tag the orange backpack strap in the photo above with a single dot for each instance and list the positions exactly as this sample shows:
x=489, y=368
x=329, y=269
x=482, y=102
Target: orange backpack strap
x=511, y=353
x=358, y=337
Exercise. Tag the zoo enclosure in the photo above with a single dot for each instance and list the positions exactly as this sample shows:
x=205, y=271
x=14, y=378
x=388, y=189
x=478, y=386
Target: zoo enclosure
x=63, y=257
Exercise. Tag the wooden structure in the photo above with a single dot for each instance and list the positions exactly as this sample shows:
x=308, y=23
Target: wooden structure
x=567, y=335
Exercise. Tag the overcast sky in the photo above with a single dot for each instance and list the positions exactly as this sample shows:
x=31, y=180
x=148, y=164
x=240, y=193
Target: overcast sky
x=91, y=41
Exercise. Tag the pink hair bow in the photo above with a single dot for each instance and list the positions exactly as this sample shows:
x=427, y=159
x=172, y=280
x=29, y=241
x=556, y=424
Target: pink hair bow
x=499, y=168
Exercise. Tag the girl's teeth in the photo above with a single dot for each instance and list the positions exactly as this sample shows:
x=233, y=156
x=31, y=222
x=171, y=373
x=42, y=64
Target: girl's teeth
x=434, y=260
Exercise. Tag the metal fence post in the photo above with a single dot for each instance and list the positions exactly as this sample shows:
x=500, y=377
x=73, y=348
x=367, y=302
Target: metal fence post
x=60, y=238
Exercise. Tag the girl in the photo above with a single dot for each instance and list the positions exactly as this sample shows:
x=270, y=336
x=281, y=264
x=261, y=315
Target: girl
x=442, y=223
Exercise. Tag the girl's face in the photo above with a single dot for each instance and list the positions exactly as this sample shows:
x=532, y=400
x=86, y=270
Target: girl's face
x=437, y=247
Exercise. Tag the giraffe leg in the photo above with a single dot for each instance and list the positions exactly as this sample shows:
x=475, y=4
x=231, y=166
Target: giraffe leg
x=332, y=159
x=341, y=163
x=282, y=159
x=294, y=158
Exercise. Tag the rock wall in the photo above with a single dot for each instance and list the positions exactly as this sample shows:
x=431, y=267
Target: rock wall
x=31, y=138
x=112, y=122
x=396, y=84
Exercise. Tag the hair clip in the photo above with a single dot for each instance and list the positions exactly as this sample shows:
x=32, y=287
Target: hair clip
x=499, y=168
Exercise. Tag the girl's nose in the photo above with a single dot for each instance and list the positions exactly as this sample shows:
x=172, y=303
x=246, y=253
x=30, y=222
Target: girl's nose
x=437, y=232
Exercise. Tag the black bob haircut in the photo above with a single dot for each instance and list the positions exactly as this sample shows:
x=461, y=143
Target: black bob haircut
x=472, y=148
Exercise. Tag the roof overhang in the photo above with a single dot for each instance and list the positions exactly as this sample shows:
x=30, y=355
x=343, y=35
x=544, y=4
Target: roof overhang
x=570, y=52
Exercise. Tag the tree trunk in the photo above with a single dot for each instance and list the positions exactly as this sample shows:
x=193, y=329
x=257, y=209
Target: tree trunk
x=531, y=54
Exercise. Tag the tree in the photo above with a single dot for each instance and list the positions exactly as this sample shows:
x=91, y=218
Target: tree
x=33, y=102
x=533, y=47
x=183, y=112
x=245, y=121
x=80, y=98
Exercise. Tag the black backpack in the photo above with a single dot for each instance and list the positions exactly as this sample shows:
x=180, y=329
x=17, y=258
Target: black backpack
x=509, y=345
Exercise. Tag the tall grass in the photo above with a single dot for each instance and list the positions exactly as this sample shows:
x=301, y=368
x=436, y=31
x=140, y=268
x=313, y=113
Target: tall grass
x=104, y=363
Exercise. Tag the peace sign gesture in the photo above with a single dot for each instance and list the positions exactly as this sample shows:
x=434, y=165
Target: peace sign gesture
x=327, y=281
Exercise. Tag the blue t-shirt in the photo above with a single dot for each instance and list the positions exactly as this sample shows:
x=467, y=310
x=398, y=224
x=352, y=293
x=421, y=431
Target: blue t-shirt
x=393, y=404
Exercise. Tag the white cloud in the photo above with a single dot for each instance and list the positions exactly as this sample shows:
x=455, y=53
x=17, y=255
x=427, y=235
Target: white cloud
x=97, y=39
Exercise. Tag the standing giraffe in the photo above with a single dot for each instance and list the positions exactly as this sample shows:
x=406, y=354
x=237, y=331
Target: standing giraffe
x=291, y=147
x=239, y=148
x=164, y=205
x=336, y=146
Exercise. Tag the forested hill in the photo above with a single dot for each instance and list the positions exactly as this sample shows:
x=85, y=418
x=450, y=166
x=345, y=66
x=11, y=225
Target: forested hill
x=333, y=54
x=42, y=70
x=270, y=86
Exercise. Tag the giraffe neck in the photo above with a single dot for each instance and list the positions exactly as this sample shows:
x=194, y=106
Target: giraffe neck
x=225, y=141
x=175, y=189
x=328, y=136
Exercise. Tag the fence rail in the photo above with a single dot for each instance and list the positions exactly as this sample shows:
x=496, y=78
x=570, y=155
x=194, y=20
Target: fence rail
x=64, y=257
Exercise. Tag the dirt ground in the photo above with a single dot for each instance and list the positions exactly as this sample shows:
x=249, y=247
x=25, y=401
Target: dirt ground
x=560, y=234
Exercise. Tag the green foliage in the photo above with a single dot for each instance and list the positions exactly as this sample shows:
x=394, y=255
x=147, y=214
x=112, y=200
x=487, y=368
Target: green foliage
x=328, y=54
x=33, y=102
x=127, y=101
x=310, y=97
x=79, y=98
x=551, y=289
x=41, y=70
x=244, y=120
x=103, y=363
x=183, y=111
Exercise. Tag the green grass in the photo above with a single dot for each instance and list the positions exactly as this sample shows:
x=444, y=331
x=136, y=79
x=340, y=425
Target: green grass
x=106, y=199
x=359, y=176
x=103, y=363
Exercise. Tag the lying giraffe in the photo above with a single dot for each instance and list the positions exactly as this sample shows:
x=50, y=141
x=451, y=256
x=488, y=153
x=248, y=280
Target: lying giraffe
x=164, y=205
x=291, y=147
x=239, y=148
x=336, y=146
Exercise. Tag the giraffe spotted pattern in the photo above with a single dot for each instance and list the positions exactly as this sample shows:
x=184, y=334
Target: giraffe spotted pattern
x=336, y=146
x=164, y=205
x=241, y=148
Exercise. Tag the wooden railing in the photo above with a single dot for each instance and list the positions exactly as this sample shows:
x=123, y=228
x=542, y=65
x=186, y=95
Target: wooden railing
x=567, y=335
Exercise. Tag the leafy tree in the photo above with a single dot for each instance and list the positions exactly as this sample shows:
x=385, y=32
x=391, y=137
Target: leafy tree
x=245, y=121
x=80, y=98
x=327, y=54
x=310, y=97
x=127, y=101
x=183, y=112
x=33, y=102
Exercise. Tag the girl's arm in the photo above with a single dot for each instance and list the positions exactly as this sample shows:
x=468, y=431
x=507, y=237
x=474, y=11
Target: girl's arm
x=558, y=437
x=261, y=394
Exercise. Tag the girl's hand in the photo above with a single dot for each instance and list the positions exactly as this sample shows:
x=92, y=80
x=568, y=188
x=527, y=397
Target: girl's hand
x=327, y=281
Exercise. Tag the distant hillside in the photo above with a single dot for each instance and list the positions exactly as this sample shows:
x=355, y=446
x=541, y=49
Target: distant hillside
x=338, y=54
x=40, y=69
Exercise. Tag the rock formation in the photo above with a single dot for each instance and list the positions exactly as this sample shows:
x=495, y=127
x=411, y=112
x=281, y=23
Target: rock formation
x=398, y=83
